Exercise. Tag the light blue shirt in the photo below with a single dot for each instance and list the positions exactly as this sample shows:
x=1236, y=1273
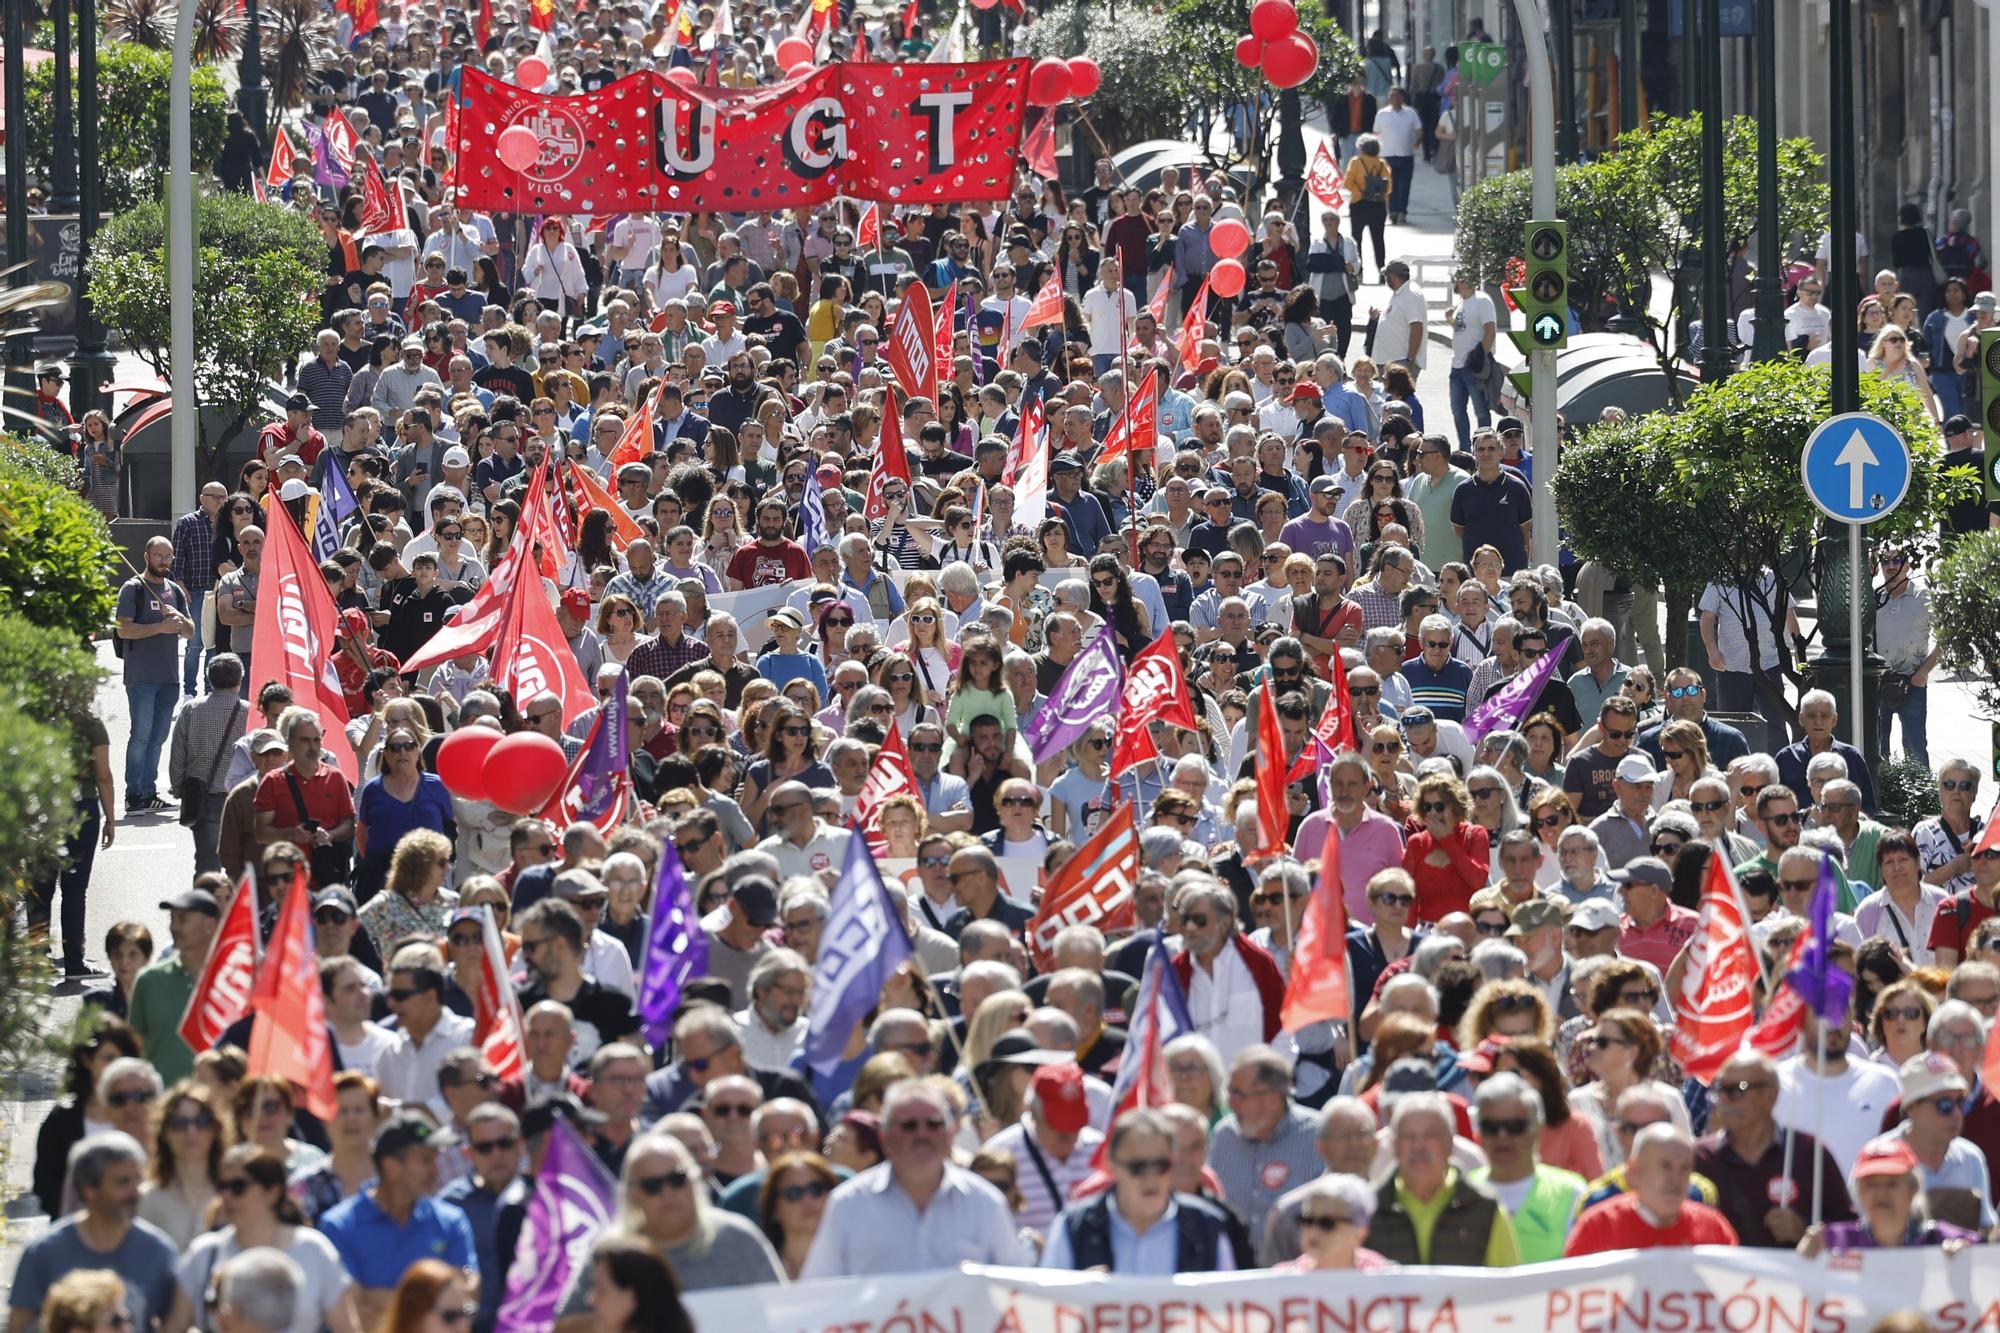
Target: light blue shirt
x=872, y=1227
x=1347, y=406
x=944, y=793
x=1154, y=1252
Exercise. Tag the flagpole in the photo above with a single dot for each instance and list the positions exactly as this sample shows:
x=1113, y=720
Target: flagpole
x=1131, y=445
x=1819, y=1123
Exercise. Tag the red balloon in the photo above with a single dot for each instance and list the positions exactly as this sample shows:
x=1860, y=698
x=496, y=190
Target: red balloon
x=518, y=147
x=523, y=771
x=1085, y=77
x=1226, y=278
x=794, y=51
x=1291, y=60
x=984, y=4
x=1272, y=19
x=461, y=761
x=531, y=73
x=1250, y=51
x=681, y=74
x=1229, y=238
x=1049, y=82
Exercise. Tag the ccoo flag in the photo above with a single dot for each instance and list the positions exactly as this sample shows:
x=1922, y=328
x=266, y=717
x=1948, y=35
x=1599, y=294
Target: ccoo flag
x=1506, y=706
x=676, y=949
x=1089, y=689
x=862, y=946
x=573, y=1203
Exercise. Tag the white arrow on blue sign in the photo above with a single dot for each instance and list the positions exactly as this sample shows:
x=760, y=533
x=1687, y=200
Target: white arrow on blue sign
x=1856, y=467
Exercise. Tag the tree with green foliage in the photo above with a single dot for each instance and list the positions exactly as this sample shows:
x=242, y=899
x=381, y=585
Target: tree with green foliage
x=1965, y=614
x=1136, y=51
x=256, y=283
x=1711, y=494
x=134, y=85
x=1203, y=70
x=57, y=564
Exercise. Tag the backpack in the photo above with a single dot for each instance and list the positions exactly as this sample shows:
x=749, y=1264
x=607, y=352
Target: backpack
x=1375, y=189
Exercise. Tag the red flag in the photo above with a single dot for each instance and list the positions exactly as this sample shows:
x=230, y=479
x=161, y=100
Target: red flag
x=1157, y=307
x=341, y=140
x=890, y=775
x=910, y=19
x=909, y=344
x=1317, y=988
x=1193, y=327
x=1155, y=691
x=1038, y=150
x=279, y=173
x=635, y=443
x=478, y=623
x=1048, y=304
x=482, y=24
x=1784, y=1018
x=1138, y=422
x=380, y=210
x=1335, y=728
x=941, y=364
x=1990, y=838
x=542, y=15
x=892, y=460
x=531, y=656
x=288, y=1039
x=869, y=234
x=367, y=16
x=1273, y=818
x=222, y=992
x=293, y=642
x=497, y=1029
x=590, y=494
x=1094, y=887
x=541, y=526
x=1027, y=438
x=1715, y=1004
x=1324, y=179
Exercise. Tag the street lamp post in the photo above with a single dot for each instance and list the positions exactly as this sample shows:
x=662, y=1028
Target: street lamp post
x=250, y=95
x=20, y=346
x=92, y=365
x=1291, y=149
x=1529, y=17
x=1768, y=337
x=1628, y=65
x=1564, y=35
x=62, y=173
x=1717, y=328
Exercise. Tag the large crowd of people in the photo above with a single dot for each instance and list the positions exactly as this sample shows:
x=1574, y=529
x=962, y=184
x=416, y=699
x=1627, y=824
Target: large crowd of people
x=1520, y=897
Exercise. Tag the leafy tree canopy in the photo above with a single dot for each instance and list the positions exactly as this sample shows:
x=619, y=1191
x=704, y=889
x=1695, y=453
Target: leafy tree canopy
x=133, y=84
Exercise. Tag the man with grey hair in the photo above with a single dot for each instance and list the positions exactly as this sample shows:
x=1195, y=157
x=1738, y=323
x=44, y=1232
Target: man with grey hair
x=204, y=734
x=802, y=842
x=947, y=801
x=1234, y=988
x=1468, y=1228
x=1267, y=1144
x=1763, y=1176
x=1346, y=1145
x=1819, y=714
x=1542, y=1201
x=106, y=1170
x=1079, y=992
x=1602, y=673
x=774, y=1023
x=257, y=1291
x=1959, y=1031
x=1656, y=1212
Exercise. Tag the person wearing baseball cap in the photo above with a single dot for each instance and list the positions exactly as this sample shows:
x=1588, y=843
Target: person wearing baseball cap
x=1888, y=1176
x=1053, y=1141
x=384, y=1228
x=1952, y=1169
x=573, y=614
x=1157, y=1232
x=1653, y=927
x=1591, y=930
x=160, y=994
x=1622, y=831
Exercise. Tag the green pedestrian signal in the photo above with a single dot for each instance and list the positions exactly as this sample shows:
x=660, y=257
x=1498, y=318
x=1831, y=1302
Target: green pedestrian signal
x=1482, y=63
x=1545, y=291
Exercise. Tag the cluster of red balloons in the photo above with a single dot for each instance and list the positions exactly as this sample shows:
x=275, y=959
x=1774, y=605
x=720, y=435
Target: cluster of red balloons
x=1229, y=237
x=1287, y=56
x=519, y=774
x=1053, y=81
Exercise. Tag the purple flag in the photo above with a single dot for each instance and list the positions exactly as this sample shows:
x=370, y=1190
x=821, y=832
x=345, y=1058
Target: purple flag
x=574, y=1201
x=326, y=171
x=862, y=946
x=676, y=948
x=1820, y=982
x=1090, y=688
x=1505, y=707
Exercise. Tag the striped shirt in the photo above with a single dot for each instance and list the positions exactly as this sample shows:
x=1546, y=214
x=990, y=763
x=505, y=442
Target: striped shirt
x=1442, y=690
x=327, y=387
x=1040, y=1206
x=1253, y=1173
x=194, y=551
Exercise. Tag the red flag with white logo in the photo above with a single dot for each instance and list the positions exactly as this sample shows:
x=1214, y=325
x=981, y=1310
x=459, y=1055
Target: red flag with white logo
x=379, y=208
x=1155, y=691
x=1324, y=179
x=1273, y=818
x=892, y=461
x=532, y=657
x=1715, y=1004
x=479, y=621
x=222, y=992
x=341, y=140
x=293, y=642
x=1048, y=303
x=1093, y=888
x=910, y=345
x=1193, y=327
x=497, y=1029
x=1317, y=987
x=890, y=775
x=869, y=233
x=279, y=173
x=590, y=494
x=1157, y=307
x=1138, y=423
x=941, y=323
x=289, y=1038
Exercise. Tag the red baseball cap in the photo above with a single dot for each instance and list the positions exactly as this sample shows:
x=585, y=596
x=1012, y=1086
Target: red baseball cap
x=1885, y=1157
x=577, y=602
x=354, y=622
x=1480, y=1060
x=1059, y=1099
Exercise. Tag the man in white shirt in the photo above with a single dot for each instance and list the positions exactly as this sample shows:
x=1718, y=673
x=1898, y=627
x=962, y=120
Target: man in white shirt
x=633, y=242
x=803, y=843
x=774, y=1023
x=1108, y=311
x=1399, y=326
x=1013, y=306
x=1400, y=129
x=408, y=1070
x=1839, y=1100
x=1824, y=257
x=348, y=1003
x=1807, y=318
x=1232, y=985
x=1472, y=326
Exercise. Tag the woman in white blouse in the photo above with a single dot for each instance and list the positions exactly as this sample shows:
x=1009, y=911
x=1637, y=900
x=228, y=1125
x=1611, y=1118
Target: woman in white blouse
x=554, y=270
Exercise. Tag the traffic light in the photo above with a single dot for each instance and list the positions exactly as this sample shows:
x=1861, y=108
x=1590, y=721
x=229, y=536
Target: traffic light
x=1545, y=303
x=1989, y=408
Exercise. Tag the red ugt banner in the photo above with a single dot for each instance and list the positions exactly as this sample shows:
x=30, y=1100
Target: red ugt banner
x=904, y=133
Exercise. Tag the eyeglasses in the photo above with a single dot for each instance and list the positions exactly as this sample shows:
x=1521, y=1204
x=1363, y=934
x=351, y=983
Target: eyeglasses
x=933, y=862
x=816, y=1189
x=1512, y=1129
x=1385, y=747
x=1948, y=1105
x=1706, y=807
x=1020, y=802
x=1639, y=999
x=1199, y=920
x=1598, y=1041
x=1492, y=928
x=741, y=1110
x=1394, y=899
x=1664, y=849
x=402, y=993
x=465, y=937
x=1145, y=1166
x=330, y=916
x=1316, y=1222
x=1629, y=1127
x=122, y=1099
x=1749, y=793
x=1550, y=821
x=913, y=1124
x=1433, y=807
x=1484, y=793
x=236, y=1186
x=190, y=1124
x=1613, y=734
x=1364, y=691
x=505, y=1144
x=1959, y=784
x=400, y=747
x=1684, y=691
x=676, y=1179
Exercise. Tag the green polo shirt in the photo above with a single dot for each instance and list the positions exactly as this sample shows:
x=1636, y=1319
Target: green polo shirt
x=159, y=1000
x=1502, y=1251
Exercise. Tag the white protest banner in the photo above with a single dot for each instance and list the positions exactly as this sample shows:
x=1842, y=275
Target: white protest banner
x=752, y=608
x=1704, y=1290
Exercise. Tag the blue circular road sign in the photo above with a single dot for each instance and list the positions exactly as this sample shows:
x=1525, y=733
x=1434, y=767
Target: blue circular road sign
x=1856, y=467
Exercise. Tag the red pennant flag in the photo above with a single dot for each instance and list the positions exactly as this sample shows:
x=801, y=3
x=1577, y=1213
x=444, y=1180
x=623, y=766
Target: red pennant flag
x=222, y=992
x=1715, y=1004
x=1157, y=307
x=1335, y=728
x=891, y=460
x=590, y=494
x=289, y=1038
x=1273, y=818
x=1027, y=439
x=279, y=174
x=482, y=24
x=1048, y=304
x=1990, y=837
x=478, y=623
x=1193, y=327
x=1138, y=422
x=910, y=19
x=1324, y=179
x=1784, y=1018
x=869, y=234
x=909, y=344
x=341, y=140
x=635, y=443
x=293, y=643
x=379, y=209
x=531, y=656
x=1094, y=887
x=1038, y=150
x=1317, y=988
x=890, y=775
x=941, y=364
x=542, y=15
x=1155, y=691
x=367, y=16
x=497, y=1029
x=541, y=526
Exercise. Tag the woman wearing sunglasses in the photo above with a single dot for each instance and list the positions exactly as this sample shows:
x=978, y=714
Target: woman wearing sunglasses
x=400, y=798
x=1622, y=1050
x=188, y=1142
x=1333, y=1222
x=430, y=1298
x=264, y=1109
x=257, y=1213
x=791, y=1204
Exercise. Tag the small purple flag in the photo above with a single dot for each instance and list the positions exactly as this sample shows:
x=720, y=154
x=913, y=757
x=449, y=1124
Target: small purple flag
x=604, y=779
x=1505, y=707
x=862, y=946
x=676, y=948
x=1820, y=982
x=574, y=1201
x=326, y=171
x=1090, y=688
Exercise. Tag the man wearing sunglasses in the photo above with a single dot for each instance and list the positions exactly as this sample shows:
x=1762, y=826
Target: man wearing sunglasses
x=1684, y=696
x=1950, y=1168
x=1158, y=1232
x=385, y=1228
x=494, y=1197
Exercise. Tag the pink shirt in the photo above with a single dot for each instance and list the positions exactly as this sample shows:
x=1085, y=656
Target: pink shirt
x=1659, y=943
x=1375, y=845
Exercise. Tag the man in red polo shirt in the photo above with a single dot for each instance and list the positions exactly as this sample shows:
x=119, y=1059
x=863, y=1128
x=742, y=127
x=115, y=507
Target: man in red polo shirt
x=294, y=435
x=325, y=826
x=1653, y=927
x=1656, y=1212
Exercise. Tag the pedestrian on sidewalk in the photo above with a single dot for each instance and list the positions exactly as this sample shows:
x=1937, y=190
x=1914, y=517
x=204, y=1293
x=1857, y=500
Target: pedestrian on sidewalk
x=1349, y=115
x=97, y=804
x=194, y=569
x=1368, y=183
x=1426, y=84
x=1399, y=129
x=153, y=613
x=205, y=732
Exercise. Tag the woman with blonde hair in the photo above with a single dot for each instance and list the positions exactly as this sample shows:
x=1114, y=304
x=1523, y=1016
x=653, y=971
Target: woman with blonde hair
x=929, y=647
x=1684, y=748
x=1447, y=857
x=1514, y=1008
x=414, y=901
x=86, y=1300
